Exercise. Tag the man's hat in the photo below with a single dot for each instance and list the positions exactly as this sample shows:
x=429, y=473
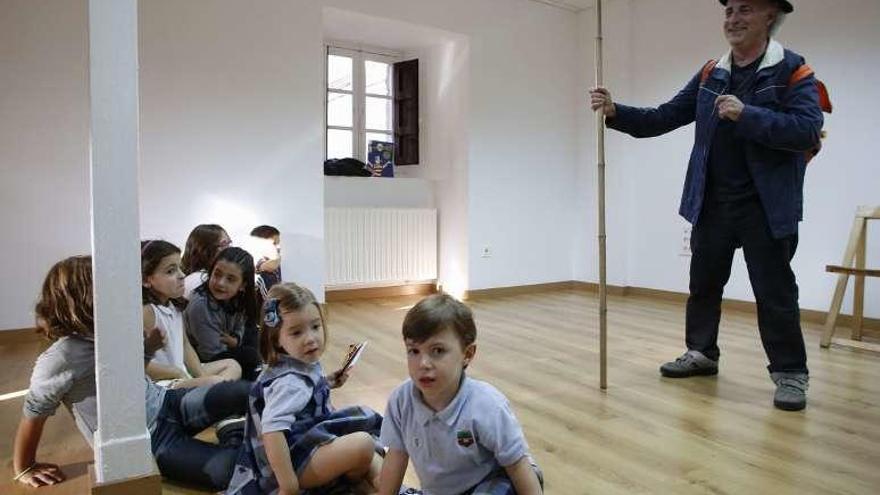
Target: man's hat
x=785, y=5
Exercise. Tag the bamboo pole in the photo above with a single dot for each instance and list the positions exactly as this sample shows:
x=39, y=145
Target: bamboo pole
x=600, y=162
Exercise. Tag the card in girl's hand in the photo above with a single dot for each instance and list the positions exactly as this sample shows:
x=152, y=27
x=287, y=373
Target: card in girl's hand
x=354, y=353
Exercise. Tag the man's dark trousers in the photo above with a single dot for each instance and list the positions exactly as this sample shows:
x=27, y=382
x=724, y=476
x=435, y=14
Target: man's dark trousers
x=720, y=230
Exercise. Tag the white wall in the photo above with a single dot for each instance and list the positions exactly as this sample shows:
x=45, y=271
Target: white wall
x=232, y=131
x=521, y=131
x=522, y=146
x=513, y=135
x=442, y=172
x=618, y=191
x=228, y=131
x=44, y=129
x=231, y=126
x=232, y=103
x=444, y=108
x=521, y=127
x=669, y=40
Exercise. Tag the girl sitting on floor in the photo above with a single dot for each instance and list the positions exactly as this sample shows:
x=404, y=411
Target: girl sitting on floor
x=65, y=374
x=176, y=364
x=221, y=317
x=202, y=246
x=295, y=439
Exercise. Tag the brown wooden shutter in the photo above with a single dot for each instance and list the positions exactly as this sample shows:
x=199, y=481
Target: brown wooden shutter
x=406, y=112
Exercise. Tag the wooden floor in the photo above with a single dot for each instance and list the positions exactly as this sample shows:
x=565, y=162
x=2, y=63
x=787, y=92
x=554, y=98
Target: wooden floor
x=645, y=434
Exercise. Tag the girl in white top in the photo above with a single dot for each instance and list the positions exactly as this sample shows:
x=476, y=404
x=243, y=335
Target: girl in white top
x=176, y=363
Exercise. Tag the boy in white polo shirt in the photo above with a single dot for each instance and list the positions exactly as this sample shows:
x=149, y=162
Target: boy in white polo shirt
x=461, y=433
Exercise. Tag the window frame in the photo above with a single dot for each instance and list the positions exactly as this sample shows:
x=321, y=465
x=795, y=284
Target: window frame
x=359, y=55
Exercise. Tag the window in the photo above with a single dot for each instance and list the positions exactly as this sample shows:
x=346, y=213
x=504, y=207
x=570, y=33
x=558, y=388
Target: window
x=360, y=102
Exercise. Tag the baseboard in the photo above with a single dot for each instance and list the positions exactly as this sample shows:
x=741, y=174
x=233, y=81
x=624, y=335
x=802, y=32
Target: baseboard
x=530, y=289
x=149, y=484
x=871, y=325
x=336, y=295
x=614, y=290
x=515, y=290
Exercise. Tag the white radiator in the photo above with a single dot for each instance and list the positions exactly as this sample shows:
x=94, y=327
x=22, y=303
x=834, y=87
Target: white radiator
x=380, y=246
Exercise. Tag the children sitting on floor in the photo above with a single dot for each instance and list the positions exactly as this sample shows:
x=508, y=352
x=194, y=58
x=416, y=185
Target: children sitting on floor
x=176, y=364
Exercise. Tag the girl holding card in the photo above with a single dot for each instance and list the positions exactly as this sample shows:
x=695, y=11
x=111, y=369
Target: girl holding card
x=295, y=439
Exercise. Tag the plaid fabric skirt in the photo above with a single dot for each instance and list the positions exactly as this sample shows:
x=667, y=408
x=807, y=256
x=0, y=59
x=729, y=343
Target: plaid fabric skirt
x=307, y=435
x=253, y=474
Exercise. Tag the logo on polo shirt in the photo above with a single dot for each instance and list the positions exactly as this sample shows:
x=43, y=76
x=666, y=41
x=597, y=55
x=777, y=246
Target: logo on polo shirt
x=465, y=438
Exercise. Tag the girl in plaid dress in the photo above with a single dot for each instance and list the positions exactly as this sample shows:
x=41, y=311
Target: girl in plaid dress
x=296, y=442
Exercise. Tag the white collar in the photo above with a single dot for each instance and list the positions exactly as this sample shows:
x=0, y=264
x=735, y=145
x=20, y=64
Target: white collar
x=775, y=53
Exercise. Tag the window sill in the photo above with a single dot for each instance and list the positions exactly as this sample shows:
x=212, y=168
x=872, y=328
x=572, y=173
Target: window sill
x=382, y=192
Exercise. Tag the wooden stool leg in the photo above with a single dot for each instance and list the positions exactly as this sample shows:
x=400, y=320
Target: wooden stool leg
x=859, y=286
x=839, y=291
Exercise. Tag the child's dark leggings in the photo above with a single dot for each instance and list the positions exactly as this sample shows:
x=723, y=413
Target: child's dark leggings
x=184, y=413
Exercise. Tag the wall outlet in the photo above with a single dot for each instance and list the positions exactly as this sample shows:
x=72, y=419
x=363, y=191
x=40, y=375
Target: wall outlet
x=486, y=252
x=685, y=248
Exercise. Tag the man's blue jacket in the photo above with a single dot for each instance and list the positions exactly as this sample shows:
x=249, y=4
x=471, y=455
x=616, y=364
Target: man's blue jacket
x=779, y=123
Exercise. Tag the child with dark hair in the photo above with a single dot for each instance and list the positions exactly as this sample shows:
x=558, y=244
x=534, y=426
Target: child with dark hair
x=176, y=364
x=268, y=264
x=265, y=232
x=295, y=439
x=65, y=374
x=221, y=317
x=202, y=246
x=460, y=433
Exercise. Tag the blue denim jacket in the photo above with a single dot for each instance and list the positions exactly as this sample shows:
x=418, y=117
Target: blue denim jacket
x=778, y=123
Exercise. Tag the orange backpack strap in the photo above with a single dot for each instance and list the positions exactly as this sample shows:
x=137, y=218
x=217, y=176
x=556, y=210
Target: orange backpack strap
x=806, y=71
x=800, y=73
x=824, y=99
x=707, y=69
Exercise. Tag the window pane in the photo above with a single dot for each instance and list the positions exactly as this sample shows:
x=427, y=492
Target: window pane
x=339, y=144
x=378, y=112
x=377, y=136
x=339, y=72
x=378, y=78
x=339, y=109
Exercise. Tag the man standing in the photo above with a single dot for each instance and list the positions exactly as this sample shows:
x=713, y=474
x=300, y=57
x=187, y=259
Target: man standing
x=744, y=187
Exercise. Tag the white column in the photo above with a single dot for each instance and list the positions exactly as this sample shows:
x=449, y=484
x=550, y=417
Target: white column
x=122, y=443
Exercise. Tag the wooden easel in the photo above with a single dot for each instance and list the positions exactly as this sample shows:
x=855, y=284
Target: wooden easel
x=853, y=264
